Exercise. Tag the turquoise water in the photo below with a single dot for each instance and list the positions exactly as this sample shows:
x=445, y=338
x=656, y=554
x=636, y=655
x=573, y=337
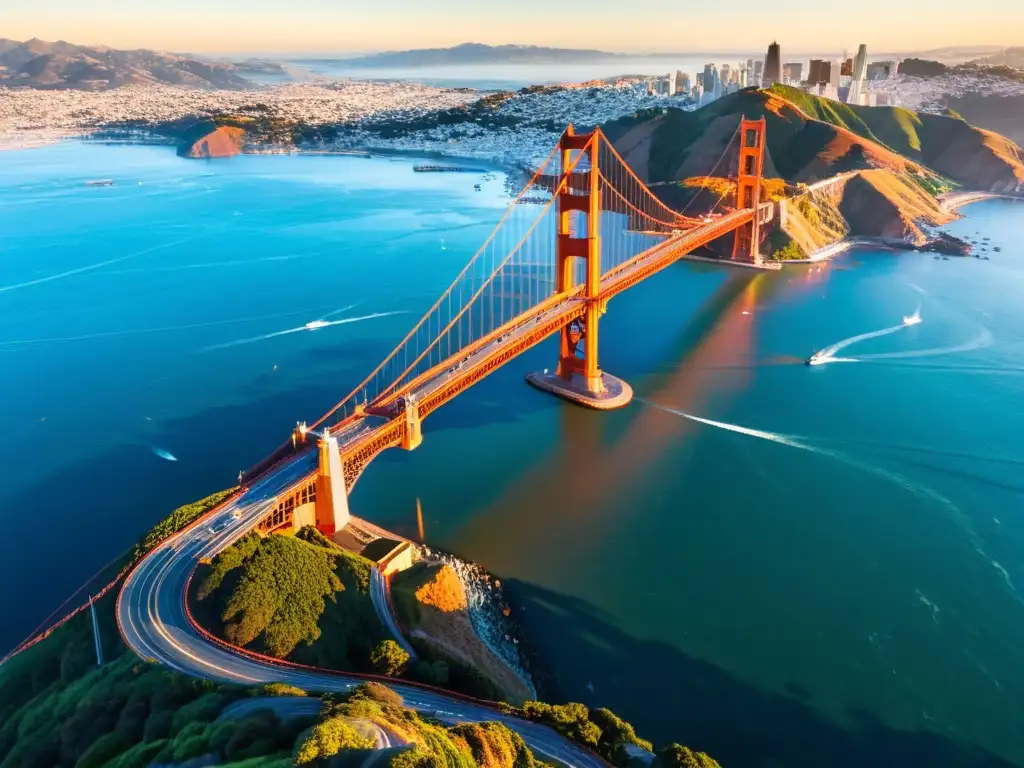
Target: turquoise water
x=821, y=570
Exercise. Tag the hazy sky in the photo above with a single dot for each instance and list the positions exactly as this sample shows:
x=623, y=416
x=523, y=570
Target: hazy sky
x=621, y=25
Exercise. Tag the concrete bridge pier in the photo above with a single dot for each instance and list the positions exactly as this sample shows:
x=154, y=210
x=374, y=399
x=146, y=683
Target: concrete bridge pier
x=332, y=511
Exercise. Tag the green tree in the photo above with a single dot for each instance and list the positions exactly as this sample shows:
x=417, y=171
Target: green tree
x=388, y=658
x=678, y=756
x=329, y=738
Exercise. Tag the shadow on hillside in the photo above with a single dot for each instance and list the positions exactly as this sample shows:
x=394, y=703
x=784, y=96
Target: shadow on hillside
x=668, y=695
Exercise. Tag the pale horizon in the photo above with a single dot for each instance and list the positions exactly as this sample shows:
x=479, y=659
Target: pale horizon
x=306, y=27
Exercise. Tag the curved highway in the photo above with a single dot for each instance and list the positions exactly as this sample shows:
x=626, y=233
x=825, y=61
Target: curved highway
x=154, y=623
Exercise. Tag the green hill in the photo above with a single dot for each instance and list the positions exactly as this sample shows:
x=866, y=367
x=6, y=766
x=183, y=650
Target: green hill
x=295, y=597
x=810, y=138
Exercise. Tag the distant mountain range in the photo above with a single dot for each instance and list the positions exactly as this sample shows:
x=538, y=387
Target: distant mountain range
x=1011, y=57
x=39, y=64
x=477, y=53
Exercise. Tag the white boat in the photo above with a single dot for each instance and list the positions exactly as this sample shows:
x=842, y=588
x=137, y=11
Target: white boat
x=913, y=319
x=817, y=359
x=317, y=324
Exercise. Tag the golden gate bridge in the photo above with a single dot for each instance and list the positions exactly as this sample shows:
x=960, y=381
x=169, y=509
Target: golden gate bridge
x=600, y=231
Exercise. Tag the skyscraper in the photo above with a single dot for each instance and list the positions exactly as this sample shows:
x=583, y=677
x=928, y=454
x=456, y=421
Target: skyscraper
x=671, y=90
x=793, y=72
x=860, y=67
x=819, y=72
x=708, y=80
x=772, y=66
x=683, y=83
x=758, y=69
x=725, y=74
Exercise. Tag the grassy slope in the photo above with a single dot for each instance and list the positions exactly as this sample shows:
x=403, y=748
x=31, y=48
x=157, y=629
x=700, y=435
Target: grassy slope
x=294, y=597
x=810, y=138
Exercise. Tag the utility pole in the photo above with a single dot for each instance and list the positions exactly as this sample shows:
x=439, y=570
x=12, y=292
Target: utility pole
x=96, y=633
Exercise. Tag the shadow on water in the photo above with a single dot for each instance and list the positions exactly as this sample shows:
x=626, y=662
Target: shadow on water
x=671, y=696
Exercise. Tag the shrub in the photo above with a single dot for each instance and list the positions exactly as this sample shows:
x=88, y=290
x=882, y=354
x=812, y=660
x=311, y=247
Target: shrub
x=678, y=756
x=105, y=748
x=329, y=738
x=282, y=689
x=494, y=745
x=372, y=691
x=388, y=658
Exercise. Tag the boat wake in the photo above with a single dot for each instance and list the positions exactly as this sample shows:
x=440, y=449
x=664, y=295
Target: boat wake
x=313, y=325
x=828, y=354
x=88, y=268
x=163, y=454
x=954, y=514
x=982, y=340
x=129, y=332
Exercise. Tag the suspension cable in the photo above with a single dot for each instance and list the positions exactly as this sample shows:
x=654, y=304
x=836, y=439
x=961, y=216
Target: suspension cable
x=369, y=378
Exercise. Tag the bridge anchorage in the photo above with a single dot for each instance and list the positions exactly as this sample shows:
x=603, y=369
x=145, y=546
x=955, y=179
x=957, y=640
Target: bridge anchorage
x=587, y=230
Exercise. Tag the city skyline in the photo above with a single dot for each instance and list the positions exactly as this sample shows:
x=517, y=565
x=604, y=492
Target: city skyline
x=323, y=26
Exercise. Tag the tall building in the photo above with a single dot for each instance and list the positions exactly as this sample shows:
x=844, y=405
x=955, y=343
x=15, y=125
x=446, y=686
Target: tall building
x=835, y=73
x=710, y=75
x=860, y=66
x=750, y=65
x=671, y=89
x=792, y=73
x=847, y=68
x=725, y=74
x=772, y=66
x=744, y=77
x=819, y=72
x=758, y=70
x=683, y=83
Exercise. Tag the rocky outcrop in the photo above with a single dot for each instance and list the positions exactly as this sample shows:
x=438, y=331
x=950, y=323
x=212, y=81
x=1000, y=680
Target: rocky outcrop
x=224, y=141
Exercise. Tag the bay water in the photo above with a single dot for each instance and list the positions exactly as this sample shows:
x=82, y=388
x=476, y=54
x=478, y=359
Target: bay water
x=776, y=563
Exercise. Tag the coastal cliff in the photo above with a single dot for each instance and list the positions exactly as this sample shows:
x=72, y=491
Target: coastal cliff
x=223, y=141
x=837, y=170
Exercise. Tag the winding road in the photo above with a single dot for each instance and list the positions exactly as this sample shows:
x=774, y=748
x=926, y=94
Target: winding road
x=151, y=614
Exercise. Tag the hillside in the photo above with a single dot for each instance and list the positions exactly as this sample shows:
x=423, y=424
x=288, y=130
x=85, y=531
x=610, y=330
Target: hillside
x=40, y=64
x=293, y=597
x=810, y=139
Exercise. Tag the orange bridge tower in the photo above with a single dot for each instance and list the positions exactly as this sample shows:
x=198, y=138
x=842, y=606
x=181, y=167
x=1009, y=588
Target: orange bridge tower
x=578, y=377
x=747, y=245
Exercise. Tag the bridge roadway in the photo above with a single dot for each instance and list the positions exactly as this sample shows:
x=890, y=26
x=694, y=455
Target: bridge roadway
x=151, y=607
x=443, y=382
x=153, y=621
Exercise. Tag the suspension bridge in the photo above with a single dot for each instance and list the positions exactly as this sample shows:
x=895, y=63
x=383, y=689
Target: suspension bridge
x=599, y=231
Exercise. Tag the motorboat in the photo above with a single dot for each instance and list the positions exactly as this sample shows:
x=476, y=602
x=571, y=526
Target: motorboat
x=913, y=319
x=312, y=326
x=817, y=358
